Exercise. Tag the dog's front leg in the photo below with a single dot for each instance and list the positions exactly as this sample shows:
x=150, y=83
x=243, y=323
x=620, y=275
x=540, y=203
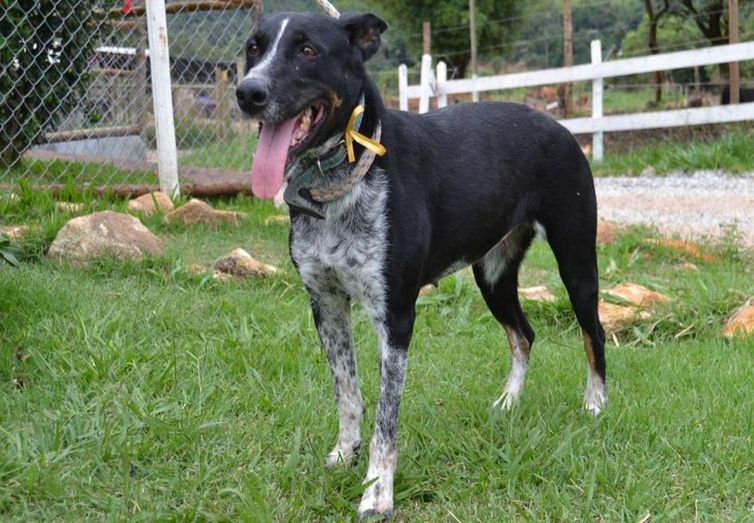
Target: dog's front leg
x=394, y=336
x=332, y=315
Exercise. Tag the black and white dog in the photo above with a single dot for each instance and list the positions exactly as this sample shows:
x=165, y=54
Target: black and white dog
x=467, y=185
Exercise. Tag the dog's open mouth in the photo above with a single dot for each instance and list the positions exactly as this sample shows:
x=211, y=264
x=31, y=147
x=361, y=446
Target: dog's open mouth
x=279, y=144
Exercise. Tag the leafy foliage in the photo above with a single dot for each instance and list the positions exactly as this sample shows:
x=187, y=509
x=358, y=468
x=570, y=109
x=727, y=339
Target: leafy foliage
x=7, y=251
x=44, y=49
x=496, y=25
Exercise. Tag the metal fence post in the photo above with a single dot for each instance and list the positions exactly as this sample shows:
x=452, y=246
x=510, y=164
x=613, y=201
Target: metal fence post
x=597, y=90
x=159, y=60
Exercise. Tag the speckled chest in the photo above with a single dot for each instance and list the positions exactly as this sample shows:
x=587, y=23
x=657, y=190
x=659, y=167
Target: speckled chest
x=346, y=251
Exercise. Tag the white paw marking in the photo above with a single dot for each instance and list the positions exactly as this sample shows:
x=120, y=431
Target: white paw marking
x=595, y=397
x=517, y=375
x=377, y=500
x=342, y=455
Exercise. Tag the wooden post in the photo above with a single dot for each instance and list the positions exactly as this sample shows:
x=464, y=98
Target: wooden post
x=140, y=76
x=472, y=34
x=403, y=87
x=426, y=83
x=567, y=56
x=597, y=89
x=222, y=112
x=256, y=13
x=162, y=97
x=442, y=77
x=427, y=37
x=328, y=8
x=734, y=84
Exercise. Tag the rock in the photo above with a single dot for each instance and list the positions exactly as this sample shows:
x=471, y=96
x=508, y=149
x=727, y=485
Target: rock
x=104, y=234
x=277, y=218
x=69, y=207
x=148, y=204
x=539, y=293
x=648, y=172
x=637, y=295
x=15, y=232
x=427, y=290
x=607, y=232
x=240, y=263
x=617, y=317
x=197, y=211
x=741, y=321
x=684, y=247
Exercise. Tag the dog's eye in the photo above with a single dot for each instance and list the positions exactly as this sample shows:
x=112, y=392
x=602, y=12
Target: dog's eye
x=253, y=49
x=308, y=51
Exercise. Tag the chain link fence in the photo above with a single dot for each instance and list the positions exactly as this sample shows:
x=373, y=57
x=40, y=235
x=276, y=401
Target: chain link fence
x=75, y=92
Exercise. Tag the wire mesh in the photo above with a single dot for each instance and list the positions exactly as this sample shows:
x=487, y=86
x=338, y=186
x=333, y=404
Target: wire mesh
x=206, y=49
x=76, y=104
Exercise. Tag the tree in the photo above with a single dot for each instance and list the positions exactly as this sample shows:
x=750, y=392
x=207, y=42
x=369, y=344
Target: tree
x=44, y=49
x=496, y=25
x=654, y=16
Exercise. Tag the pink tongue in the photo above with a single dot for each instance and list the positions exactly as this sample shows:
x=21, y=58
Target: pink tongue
x=268, y=166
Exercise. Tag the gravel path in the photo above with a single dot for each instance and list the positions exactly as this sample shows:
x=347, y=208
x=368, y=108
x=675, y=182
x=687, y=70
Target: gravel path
x=691, y=205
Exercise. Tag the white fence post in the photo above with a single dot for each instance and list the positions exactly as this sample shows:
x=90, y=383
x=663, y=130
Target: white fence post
x=403, y=87
x=162, y=98
x=442, y=77
x=426, y=83
x=597, y=90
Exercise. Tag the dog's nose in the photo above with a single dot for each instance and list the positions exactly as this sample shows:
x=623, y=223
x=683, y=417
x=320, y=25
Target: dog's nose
x=252, y=95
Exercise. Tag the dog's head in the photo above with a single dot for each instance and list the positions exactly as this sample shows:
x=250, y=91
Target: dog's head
x=304, y=75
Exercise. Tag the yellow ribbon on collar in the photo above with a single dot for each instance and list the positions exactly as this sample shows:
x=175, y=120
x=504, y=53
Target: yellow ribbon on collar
x=352, y=134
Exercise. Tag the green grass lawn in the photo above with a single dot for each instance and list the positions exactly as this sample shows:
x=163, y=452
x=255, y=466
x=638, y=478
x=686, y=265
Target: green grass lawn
x=140, y=392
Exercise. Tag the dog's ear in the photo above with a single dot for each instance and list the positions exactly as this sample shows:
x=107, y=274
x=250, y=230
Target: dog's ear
x=363, y=31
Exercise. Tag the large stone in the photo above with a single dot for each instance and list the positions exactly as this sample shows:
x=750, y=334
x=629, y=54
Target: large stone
x=607, y=232
x=617, y=317
x=196, y=211
x=741, y=322
x=15, y=232
x=539, y=293
x=104, y=234
x=637, y=295
x=148, y=204
x=241, y=263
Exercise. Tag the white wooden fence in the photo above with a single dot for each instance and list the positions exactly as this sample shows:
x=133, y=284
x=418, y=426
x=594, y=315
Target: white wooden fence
x=437, y=85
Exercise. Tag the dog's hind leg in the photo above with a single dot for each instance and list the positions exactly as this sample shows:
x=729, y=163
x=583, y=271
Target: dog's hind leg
x=574, y=247
x=496, y=275
x=332, y=315
x=394, y=335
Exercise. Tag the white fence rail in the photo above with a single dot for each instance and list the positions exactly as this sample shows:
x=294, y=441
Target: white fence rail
x=432, y=85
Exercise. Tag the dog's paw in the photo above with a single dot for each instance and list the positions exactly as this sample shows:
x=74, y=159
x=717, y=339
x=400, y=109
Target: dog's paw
x=506, y=402
x=342, y=455
x=595, y=400
x=377, y=502
x=372, y=516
